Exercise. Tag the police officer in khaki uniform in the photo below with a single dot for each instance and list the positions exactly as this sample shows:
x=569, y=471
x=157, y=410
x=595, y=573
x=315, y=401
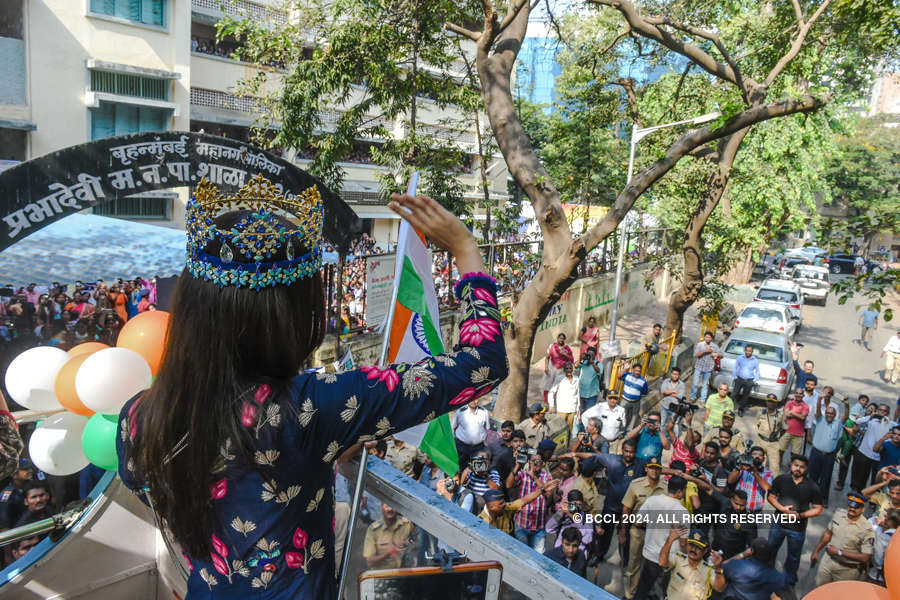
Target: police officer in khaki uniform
x=387, y=540
x=737, y=438
x=403, y=456
x=692, y=578
x=638, y=491
x=535, y=426
x=848, y=543
x=770, y=427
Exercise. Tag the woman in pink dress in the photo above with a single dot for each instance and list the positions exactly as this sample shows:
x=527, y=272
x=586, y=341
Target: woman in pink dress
x=558, y=354
x=590, y=337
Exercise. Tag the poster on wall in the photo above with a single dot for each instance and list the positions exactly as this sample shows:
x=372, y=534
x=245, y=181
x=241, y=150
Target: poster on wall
x=379, y=286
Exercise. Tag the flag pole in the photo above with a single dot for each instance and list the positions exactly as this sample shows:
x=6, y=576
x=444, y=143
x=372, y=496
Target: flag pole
x=385, y=346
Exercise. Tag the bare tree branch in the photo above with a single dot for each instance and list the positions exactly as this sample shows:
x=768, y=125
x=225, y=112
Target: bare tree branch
x=631, y=96
x=796, y=45
x=510, y=15
x=687, y=69
x=472, y=35
x=615, y=41
x=705, y=153
x=798, y=12
x=560, y=39
x=683, y=146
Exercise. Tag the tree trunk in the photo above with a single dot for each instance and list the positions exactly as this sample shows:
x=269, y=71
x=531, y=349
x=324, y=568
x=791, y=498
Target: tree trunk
x=742, y=270
x=692, y=279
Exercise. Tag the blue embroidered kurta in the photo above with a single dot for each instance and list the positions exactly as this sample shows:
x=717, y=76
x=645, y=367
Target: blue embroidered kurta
x=274, y=535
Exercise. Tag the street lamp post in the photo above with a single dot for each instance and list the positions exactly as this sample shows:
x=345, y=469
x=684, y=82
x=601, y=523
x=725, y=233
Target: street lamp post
x=637, y=134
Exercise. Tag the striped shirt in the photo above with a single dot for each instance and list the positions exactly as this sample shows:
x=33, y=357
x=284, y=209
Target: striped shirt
x=532, y=516
x=634, y=387
x=479, y=484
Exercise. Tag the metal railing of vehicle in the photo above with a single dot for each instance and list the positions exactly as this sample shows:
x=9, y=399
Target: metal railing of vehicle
x=525, y=570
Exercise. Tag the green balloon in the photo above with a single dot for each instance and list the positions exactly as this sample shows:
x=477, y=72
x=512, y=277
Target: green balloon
x=99, y=441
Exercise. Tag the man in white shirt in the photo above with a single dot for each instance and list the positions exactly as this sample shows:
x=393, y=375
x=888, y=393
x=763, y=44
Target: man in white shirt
x=891, y=355
x=612, y=419
x=565, y=396
x=865, y=459
x=470, y=426
x=670, y=508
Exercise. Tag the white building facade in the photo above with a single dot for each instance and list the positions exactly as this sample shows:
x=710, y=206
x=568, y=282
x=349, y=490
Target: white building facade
x=78, y=70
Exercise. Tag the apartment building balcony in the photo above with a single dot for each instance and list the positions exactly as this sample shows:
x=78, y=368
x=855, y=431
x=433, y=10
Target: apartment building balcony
x=210, y=11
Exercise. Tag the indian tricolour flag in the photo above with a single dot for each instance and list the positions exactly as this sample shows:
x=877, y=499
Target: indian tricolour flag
x=415, y=333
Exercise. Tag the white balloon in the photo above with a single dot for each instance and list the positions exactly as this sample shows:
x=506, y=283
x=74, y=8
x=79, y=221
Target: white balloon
x=31, y=376
x=107, y=379
x=55, y=445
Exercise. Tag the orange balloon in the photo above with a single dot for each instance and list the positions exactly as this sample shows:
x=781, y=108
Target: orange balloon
x=842, y=590
x=65, y=385
x=892, y=567
x=146, y=335
x=87, y=348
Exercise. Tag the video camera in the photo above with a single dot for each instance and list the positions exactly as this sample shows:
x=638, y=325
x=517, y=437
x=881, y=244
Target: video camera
x=584, y=444
x=747, y=461
x=479, y=464
x=524, y=454
x=450, y=485
x=682, y=408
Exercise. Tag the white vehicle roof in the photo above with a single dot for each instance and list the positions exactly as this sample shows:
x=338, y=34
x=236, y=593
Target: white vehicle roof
x=780, y=284
x=811, y=268
x=766, y=306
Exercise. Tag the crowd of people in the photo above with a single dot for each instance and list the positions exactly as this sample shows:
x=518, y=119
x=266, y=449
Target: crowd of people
x=686, y=456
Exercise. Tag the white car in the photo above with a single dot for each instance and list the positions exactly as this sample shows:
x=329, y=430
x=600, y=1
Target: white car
x=766, y=316
x=784, y=292
x=813, y=281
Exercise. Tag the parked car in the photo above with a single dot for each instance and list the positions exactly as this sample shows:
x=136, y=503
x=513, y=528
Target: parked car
x=767, y=316
x=813, y=281
x=787, y=264
x=782, y=291
x=846, y=263
x=776, y=369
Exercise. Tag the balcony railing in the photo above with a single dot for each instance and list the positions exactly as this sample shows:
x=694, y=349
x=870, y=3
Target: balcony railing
x=242, y=8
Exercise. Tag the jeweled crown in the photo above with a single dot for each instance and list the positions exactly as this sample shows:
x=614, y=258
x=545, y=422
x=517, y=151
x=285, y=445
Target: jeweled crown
x=258, y=237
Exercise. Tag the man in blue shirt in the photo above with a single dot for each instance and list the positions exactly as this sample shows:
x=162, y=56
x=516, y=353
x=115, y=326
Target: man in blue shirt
x=802, y=373
x=868, y=321
x=634, y=388
x=825, y=439
x=889, y=448
x=751, y=576
x=651, y=439
x=590, y=374
x=746, y=374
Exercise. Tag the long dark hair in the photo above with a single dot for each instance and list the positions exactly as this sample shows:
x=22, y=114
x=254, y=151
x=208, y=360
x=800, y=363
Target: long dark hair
x=221, y=342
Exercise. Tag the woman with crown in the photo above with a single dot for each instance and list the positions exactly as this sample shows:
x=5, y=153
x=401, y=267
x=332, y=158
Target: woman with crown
x=234, y=450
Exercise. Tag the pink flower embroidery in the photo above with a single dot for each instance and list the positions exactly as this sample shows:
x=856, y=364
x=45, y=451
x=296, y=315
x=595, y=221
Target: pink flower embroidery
x=387, y=375
x=248, y=414
x=483, y=294
x=262, y=392
x=333, y=524
x=300, y=539
x=464, y=396
x=219, y=547
x=475, y=331
x=294, y=559
x=218, y=490
x=187, y=560
x=469, y=394
x=219, y=563
x=132, y=420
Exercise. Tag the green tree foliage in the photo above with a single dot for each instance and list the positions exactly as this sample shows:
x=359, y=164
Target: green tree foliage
x=361, y=70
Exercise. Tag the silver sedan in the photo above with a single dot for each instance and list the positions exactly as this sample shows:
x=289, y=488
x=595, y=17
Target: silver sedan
x=776, y=369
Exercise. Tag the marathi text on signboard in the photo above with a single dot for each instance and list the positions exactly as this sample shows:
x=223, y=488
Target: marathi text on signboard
x=379, y=288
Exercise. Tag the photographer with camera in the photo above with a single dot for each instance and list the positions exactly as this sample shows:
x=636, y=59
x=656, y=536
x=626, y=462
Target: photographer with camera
x=451, y=489
x=753, y=478
x=612, y=421
x=672, y=391
x=590, y=378
x=589, y=441
x=503, y=457
x=478, y=476
x=531, y=520
x=684, y=450
x=651, y=438
x=566, y=517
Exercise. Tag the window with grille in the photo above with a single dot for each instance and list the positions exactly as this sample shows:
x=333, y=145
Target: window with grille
x=111, y=119
x=148, y=208
x=148, y=12
x=130, y=85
